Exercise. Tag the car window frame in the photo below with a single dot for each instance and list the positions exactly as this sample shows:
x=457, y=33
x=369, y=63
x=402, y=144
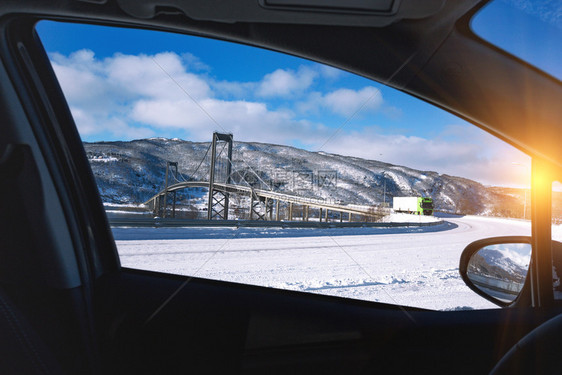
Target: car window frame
x=103, y=257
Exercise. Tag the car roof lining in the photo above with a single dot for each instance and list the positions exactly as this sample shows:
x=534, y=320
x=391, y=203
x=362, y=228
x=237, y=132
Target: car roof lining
x=367, y=13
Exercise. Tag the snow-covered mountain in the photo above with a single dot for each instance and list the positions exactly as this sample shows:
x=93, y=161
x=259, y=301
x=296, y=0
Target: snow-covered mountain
x=502, y=265
x=131, y=172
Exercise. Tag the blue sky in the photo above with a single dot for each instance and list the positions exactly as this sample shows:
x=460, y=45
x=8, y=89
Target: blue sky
x=531, y=30
x=124, y=84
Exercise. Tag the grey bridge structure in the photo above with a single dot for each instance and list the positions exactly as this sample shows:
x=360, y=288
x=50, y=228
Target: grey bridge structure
x=264, y=203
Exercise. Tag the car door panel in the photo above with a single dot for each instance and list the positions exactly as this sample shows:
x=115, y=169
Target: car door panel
x=211, y=326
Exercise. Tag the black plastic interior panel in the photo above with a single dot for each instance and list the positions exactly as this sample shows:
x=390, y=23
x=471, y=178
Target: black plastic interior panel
x=220, y=327
x=383, y=6
x=372, y=13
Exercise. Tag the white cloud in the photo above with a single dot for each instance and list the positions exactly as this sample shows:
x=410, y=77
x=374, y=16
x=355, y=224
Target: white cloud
x=132, y=96
x=97, y=103
x=478, y=155
x=330, y=73
x=249, y=121
x=128, y=97
x=78, y=74
x=283, y=83
x=229, y=89
x=194, y=63
x=149, y=76
x=547, y=10
x=88, y=124
x=344, y=102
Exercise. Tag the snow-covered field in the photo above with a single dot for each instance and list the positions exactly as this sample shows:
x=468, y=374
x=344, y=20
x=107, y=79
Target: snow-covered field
x=406, y=266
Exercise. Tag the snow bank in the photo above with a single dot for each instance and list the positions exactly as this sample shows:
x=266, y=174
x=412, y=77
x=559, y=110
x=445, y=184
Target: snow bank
x=405, y=266
x=557, y=232
x=407, y=218
x=191, y=233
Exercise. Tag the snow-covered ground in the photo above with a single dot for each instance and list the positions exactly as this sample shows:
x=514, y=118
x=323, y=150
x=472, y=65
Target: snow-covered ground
x=407, y=218
x=406, y=266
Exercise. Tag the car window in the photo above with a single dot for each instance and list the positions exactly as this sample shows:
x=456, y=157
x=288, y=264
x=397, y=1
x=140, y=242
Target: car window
x=233, y=163
x=557, y=239
x=531, y=30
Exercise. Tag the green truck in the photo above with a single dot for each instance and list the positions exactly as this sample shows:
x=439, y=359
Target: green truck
x=413, y=205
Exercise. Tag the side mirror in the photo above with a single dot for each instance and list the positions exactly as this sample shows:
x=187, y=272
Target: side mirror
x=496, y=268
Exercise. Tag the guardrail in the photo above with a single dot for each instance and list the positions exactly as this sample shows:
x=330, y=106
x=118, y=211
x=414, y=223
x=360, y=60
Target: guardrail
x=169, y=222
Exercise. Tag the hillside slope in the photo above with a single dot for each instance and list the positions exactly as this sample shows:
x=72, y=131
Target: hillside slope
x=131, y=172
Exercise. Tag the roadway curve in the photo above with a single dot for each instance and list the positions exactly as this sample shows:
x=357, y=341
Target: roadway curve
x=412, y=266
x=477, y=227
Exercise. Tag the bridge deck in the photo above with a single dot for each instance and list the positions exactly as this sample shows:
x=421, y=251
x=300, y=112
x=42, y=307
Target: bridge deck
x=230, y=188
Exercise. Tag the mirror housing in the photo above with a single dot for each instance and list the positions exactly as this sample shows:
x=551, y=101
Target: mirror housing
x=496, y=268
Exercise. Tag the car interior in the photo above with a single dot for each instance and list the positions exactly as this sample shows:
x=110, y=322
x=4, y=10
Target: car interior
x=68, y=307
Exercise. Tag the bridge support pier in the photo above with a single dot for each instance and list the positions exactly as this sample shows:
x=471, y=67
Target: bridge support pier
x=277, y=210
x=174, y=204
x=290, y=218
x=222, y=202
x=269, y=209
x=159, y=210
x=219, y=206
x=252, y=206
x=155, y=204
x=256, y=207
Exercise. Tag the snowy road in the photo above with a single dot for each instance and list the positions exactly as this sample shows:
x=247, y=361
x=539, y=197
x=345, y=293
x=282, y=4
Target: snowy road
x=407, y=266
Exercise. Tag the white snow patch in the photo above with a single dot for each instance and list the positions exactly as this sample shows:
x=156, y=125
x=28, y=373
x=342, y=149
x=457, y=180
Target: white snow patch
x=405, y=266
x=100, y=159
x=407, y=218
x=557, y=232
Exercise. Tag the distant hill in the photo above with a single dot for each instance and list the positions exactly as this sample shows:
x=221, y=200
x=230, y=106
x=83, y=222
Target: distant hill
x=131, y=172
x=500, y=265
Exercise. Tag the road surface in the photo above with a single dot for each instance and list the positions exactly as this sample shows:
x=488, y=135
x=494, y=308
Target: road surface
x=406, y=266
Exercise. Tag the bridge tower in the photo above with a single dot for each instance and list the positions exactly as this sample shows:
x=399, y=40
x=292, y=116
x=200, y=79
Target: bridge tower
x=170, y=165
x=160, y=202
x=218, y=200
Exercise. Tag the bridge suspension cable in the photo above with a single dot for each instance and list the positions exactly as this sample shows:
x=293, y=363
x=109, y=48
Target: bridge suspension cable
x=202, y=160
x=263, y=203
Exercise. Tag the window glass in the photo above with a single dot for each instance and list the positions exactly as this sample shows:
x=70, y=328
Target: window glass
x=529, y=29
x=322, y=181
x=557, y=239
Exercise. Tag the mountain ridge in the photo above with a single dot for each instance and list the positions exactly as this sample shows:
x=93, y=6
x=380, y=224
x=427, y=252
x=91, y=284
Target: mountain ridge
x=130, y=172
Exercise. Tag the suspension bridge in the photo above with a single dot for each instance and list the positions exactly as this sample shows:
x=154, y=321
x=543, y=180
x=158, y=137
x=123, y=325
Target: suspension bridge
x=217, y=173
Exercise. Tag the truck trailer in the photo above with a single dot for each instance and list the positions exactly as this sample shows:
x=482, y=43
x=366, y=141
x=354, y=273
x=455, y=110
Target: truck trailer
x=413, y=205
